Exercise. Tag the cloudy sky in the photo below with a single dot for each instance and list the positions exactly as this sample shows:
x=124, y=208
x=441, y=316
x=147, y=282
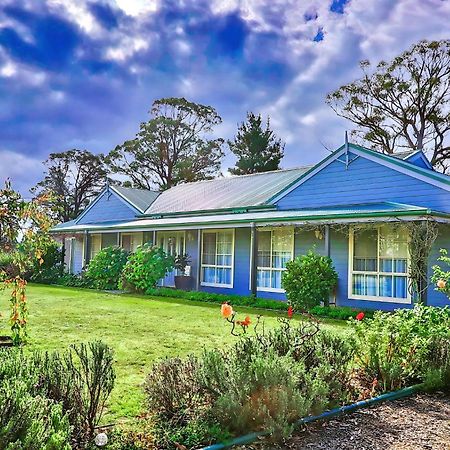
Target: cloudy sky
x=83, y=74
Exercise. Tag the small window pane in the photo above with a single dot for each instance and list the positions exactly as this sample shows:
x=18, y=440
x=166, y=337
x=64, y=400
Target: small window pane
x=263, y=278
x=276, y=279
x=365, y=250
x=371, y=285
x=209, y=274
x=400, y=287
x=385, y=286
x=264, y=248
x=385, y=265
x=400, y=265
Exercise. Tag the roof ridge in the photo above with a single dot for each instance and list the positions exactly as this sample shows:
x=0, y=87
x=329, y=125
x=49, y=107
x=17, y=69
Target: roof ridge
x=135, y=189
x=233, y=177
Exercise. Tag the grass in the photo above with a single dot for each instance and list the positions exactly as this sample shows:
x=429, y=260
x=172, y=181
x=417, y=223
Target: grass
x=140, y=329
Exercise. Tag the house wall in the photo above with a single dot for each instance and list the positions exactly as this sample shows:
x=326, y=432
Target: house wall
x=77, y=261
x=109, y=207
x=364, y=182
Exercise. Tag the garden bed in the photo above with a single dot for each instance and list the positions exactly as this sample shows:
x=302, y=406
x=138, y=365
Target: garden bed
x=418, y=422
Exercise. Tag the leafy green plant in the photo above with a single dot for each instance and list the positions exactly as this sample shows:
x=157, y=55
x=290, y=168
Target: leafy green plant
x=181, y=262
x=105, y=269
x=309, y=280
x=441, y=276
x=50, y=268
x=145, y=268
x=78, y=381
x=394, y=349
x=75, y=280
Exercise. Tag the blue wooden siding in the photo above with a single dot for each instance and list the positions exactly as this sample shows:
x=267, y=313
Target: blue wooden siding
x=109, y=207
x=364, y=182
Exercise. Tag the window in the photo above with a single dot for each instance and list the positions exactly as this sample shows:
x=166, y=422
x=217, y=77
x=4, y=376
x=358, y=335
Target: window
x=96, y=244
x=379, y=264
x=217, y=258
x=131, y=241
x=275, y=249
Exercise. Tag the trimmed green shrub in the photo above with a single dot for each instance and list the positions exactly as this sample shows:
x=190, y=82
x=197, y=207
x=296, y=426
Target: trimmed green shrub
x=309, y=280
x=145, y=268
x=75, y=280
x=105, y=269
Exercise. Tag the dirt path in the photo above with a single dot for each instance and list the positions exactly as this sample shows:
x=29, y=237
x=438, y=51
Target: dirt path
x=420, y=422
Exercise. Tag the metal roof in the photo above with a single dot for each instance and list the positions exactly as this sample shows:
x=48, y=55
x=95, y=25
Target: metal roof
x=343, y=213
x=141, y=199
x=222, y=193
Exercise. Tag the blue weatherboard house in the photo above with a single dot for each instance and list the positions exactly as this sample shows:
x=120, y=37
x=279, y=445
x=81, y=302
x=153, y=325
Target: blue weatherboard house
x=240, y=231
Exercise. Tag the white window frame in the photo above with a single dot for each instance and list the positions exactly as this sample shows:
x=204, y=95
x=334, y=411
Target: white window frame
x=378, y=273
x=271, y=229
x=204, y=283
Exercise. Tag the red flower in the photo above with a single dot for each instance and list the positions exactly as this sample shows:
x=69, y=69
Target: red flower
x=360, y=316
x=290, y=312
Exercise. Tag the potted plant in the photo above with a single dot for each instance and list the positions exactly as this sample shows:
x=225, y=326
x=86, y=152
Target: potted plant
x=183, y=280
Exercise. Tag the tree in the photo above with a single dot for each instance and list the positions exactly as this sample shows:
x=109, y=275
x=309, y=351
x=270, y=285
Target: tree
x=72, y=178
x=172, y=147
x=257, y=149
x=403, y=104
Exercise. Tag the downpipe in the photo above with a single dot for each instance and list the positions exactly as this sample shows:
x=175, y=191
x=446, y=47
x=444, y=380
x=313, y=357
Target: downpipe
x=389, y=396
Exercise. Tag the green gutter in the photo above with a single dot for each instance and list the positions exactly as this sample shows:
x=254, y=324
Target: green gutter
x=394, y=214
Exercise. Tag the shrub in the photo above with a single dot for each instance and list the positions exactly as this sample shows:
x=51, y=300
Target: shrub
x=441, y=277
x=7, y=266
x=265, y=381
x=76, y=382
x=31, y=422
x=145, y=268
x=75, y=280
x=50, y=268
x=395, y=348
x=106, y=267
x=309, y=280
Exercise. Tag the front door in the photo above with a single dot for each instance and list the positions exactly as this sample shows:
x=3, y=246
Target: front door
x=173, y=243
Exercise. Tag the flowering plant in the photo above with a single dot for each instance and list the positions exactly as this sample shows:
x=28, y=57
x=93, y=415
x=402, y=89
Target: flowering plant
x=441, y=277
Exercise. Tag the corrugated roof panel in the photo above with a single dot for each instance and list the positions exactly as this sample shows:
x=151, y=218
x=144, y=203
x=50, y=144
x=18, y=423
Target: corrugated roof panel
x=227, y=192
x=140, y=198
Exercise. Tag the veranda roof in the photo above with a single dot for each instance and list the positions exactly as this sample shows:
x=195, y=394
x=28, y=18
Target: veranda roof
x=386, y=211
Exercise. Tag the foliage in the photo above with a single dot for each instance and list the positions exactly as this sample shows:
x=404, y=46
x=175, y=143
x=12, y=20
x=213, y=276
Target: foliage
x=309, y=280
x=75, y=280
x=30, y=222
x=106, y=267
x=338, y=312
x=73, y=178
x=73, y=386
x=265, y=381
x=51, y=268
x=30, y=422
x=7, y=266
x=394, y=348
x=181, y=262
x=257, y=149
x=145, y=268
x=172, y=147
x=402, y=104
x=11, y=213
x=441, y=276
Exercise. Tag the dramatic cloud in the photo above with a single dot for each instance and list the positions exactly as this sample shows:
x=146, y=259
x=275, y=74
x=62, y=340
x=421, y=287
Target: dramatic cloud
x=84, y=74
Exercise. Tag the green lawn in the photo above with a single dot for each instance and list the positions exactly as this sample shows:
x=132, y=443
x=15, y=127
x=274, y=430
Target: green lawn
x=140, y=329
